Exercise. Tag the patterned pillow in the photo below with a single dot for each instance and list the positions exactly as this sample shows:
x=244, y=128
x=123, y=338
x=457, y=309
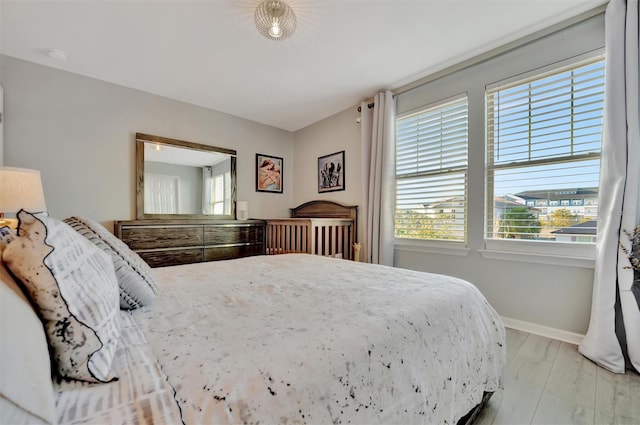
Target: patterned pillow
x=73, y=286
x=137, y=286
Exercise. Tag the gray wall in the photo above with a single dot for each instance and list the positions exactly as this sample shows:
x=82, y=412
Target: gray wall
x=333, y=134
x=79, y=132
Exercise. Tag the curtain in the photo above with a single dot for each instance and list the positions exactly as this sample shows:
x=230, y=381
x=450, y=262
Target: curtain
x=207, y=190
x=613, y=338
x=378, y=178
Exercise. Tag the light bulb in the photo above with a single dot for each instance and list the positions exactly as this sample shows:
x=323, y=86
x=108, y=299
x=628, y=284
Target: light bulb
x=275, y=19
x=275, y=30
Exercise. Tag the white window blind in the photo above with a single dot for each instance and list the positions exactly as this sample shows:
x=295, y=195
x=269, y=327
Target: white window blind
x=543, y=155
x=431, y=172
x=218, y=194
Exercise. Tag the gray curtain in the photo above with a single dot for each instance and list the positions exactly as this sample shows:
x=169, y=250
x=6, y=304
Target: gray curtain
x=378, y=178
x=614, y=328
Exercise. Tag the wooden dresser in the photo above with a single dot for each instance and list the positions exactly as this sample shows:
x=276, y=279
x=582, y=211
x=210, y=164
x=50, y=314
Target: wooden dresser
x=172, y=242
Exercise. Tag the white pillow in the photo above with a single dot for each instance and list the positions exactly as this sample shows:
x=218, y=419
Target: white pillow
x=26, y=391
x=137, y=286
x=73, y=286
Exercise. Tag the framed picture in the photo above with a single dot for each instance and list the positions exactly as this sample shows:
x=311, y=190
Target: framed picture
x=331, y=172
x=268, y=173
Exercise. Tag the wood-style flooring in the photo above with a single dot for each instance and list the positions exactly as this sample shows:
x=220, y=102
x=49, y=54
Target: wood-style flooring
x=549, y=382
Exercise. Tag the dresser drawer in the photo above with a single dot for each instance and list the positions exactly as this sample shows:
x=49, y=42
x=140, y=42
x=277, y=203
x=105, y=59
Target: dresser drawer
x=225, y=234
x=151, y=237
x=171, y=257
x=229, y=252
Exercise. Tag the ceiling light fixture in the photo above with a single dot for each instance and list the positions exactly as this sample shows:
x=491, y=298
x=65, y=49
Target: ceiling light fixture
x=275, y=19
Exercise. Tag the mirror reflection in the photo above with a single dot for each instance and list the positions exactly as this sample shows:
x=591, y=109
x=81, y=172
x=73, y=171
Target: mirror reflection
x=185, y=181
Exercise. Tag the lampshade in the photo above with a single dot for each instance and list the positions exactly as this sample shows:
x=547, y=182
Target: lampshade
x=21, y=188
x=275, y=19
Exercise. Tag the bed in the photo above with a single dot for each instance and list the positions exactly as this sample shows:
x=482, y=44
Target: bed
x=316, y=227
x=293, y=338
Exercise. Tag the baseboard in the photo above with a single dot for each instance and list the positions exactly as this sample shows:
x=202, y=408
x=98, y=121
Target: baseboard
x=532, y=328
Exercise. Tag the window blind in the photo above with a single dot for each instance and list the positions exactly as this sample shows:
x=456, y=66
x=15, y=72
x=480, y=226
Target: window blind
x=543, y=155
x=218, y=194
x=431, y=172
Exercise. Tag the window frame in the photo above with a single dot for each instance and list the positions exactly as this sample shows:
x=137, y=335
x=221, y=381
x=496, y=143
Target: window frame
x=556, y=253
x=455, y=247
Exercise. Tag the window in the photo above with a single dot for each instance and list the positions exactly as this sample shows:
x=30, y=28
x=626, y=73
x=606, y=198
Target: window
x=431, y=172
x=543, y=149
x=221, y=196
x=216, y=190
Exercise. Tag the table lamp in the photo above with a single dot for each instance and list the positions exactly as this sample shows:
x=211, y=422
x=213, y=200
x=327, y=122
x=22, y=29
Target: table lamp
x=20, y=188
x=242, y=210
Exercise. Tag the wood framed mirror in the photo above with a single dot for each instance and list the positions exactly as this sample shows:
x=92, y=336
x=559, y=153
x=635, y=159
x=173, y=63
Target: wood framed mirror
x=176, y=179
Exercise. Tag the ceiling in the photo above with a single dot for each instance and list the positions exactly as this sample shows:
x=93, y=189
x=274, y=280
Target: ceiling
x=208, y=52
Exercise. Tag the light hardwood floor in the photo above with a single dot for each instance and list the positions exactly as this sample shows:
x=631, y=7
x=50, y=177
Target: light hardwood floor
x=549, y=382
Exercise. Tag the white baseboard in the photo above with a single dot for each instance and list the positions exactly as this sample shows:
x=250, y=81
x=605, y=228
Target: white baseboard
x=532, y=328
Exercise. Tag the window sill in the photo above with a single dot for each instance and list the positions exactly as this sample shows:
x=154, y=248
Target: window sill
x=537, y=258
x=457, y=248
x=444, y=248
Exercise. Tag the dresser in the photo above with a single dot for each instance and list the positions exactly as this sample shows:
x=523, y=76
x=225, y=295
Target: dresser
x=173, y=242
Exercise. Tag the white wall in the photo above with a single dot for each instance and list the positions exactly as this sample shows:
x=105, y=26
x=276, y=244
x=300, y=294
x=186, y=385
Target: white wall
x=79, y=132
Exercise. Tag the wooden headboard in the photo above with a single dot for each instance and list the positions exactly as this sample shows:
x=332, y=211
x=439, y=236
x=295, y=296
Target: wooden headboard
x=325, y=209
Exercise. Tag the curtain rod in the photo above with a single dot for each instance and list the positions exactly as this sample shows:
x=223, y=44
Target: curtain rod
x=369, y=105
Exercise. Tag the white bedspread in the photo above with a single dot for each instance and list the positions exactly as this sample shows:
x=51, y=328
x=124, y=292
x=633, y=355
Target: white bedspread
x=307, y=339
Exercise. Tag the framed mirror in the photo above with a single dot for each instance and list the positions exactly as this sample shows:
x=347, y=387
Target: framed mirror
x=179, y=179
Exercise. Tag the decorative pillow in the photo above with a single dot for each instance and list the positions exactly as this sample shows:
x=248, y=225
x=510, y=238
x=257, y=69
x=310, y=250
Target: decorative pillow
x=73, y=286
x=26, y=391
x=137, y=286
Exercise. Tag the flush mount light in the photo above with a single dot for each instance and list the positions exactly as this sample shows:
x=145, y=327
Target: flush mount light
x=275, y=19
